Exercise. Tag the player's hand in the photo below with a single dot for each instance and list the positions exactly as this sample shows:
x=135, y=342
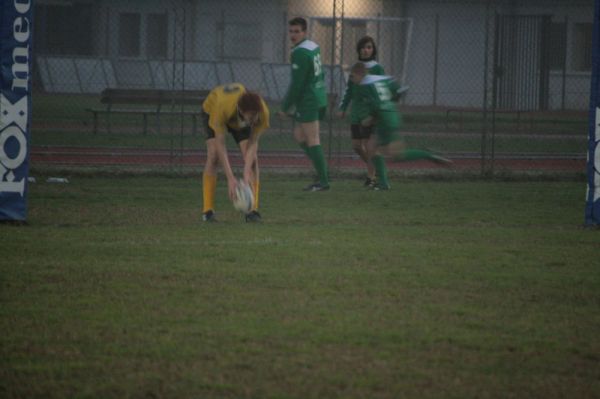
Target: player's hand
x=282, y=114
x=341, y=114
x=368, y=121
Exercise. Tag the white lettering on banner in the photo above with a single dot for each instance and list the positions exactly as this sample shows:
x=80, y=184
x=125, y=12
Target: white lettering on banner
x=14, y=116
x=21, y=29
x=20, y=53
x=13, y=113
x=22, y=6
x=7, y=182
x=5, y=160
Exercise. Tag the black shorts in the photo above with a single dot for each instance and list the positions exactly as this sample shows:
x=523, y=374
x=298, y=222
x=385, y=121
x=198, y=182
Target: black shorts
x=238, y=135
x=360, y=132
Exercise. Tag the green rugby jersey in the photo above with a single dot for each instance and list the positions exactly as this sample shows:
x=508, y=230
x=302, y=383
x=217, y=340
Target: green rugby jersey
x=350, y=95
x=378, y=95
x=307, y=88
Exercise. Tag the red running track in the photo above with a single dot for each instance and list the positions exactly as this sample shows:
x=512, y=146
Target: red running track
x=88, y=156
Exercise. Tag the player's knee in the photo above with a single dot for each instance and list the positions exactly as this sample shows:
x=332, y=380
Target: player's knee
x=212, y=161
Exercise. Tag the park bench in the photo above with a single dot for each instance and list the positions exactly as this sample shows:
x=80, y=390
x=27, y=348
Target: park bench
x=149, y=103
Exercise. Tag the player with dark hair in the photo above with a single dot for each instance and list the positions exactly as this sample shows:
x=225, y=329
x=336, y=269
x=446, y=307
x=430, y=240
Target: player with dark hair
x=378, y=95
x=231, y=108
x=367, y=54
x=307, y=96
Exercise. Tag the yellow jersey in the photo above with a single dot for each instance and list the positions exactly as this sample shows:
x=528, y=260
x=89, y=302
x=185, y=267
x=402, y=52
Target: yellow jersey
x=221, y=106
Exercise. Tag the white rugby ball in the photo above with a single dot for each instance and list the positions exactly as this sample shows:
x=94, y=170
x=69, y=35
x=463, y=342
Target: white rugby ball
x=244, y=198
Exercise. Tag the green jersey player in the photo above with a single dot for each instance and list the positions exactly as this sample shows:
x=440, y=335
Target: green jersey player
x=306, y=96
x=378, y=94
x=367, y=54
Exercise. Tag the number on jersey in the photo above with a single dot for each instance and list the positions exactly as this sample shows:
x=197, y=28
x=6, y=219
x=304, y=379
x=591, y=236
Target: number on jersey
x=383, y=91
x=317, y=64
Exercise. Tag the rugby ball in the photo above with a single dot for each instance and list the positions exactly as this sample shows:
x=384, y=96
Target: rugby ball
x=244, y=198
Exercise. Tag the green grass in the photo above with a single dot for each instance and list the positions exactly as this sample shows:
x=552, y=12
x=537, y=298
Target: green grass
x=434, y=289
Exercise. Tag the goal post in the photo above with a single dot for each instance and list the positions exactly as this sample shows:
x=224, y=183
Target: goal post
x=15, y=106
x=592, y=207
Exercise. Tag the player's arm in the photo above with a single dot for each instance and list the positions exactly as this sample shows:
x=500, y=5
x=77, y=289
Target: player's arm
x=301, y=64
x=224, y=161
x=347, y=98
x=368, y=98
x=396, y=90
x=219, y=127
x=251, y=158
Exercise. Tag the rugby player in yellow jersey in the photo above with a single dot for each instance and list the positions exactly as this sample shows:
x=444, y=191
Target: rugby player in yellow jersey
x=231, y=108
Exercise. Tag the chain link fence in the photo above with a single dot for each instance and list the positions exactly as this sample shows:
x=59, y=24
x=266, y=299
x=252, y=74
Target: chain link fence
x=492, y=85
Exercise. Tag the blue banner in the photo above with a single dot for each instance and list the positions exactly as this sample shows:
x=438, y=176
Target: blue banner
x=16, y=26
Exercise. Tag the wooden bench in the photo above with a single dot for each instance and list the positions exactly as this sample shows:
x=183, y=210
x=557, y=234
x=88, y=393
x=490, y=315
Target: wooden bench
x=149, y=102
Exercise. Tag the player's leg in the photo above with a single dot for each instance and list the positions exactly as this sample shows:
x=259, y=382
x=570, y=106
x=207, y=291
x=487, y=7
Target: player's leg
x=209, y=181
x=377, y=152
x=399, y=152
x=358, y=142
x=366, y=132
x=209, y=174
x=396, y=148
x=315, y=153
x=371, y=149
x=300, y=137
x=371, y=179
x=359, y=146
x=307, y=132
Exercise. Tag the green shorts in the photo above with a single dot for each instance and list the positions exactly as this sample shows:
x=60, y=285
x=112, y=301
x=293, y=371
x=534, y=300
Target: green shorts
x=385, y=137
x=388, y=124
x=304, y=115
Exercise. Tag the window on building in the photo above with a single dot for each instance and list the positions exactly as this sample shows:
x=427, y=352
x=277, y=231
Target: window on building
x=557, y=40
x=240, y=40
x=54, y=36
x=129, y=34
x=321, y=31
x=156, y=35
x=582, y=47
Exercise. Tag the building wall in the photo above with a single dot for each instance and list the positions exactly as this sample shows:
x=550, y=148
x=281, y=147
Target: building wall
x=450, y=71
x=442, y=57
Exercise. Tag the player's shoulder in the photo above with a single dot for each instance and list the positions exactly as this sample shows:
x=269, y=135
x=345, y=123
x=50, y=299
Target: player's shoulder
x=306, y=45
x=370, y=79
x=374, y=67
x=232, y=88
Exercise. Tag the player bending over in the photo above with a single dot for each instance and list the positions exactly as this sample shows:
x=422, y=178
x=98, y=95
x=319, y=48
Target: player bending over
x=245, y=115
x=378, y=94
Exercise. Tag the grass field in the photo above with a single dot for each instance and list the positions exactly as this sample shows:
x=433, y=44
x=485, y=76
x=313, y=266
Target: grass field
x=115, y=289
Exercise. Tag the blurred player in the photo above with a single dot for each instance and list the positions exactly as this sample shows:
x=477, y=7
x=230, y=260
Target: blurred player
x=378, y=94
x=231, y=108
x=367, y=54
x=307, y=96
